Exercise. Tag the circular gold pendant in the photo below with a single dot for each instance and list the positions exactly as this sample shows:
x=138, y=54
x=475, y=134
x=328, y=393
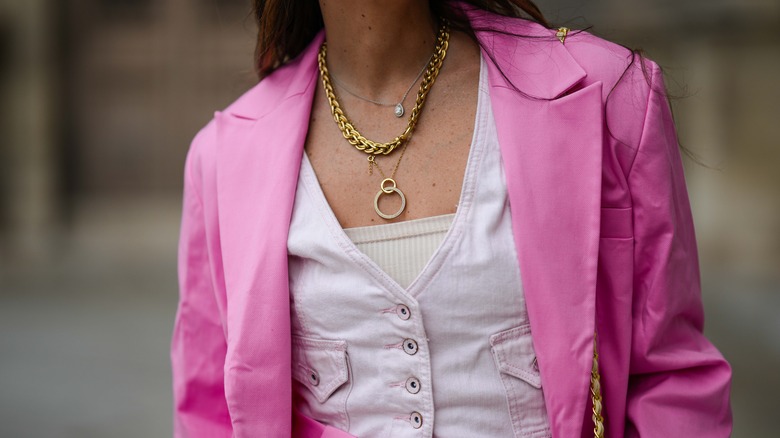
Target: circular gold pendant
x=389, y=190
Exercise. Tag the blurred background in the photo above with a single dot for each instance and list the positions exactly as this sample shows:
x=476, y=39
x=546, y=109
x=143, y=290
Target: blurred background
x=99, y=100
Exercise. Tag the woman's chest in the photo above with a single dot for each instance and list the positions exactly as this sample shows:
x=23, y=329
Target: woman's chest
x=428, y=170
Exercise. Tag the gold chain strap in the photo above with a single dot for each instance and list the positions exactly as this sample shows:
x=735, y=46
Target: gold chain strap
x=351, y=133
x=595, y=392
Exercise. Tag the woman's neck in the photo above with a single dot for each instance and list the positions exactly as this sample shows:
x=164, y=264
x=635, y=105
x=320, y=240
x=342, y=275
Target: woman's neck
x=377, y=47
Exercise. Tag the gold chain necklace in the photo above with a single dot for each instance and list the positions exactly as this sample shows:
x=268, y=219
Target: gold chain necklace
x=353, y=136
x=348, y=130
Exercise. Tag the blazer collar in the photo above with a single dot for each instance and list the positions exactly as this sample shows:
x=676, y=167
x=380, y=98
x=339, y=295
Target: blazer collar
x=551, y=144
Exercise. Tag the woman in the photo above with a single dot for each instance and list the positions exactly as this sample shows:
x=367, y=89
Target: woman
x=334, y=286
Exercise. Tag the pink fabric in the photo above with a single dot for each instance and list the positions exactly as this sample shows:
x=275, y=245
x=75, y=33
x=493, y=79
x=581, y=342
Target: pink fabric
x=601, y=221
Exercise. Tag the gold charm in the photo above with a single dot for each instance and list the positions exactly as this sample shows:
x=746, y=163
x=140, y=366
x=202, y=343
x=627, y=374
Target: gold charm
x=561, y=33
x=388, y=191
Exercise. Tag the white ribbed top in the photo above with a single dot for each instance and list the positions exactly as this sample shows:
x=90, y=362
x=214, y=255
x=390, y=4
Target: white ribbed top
x=402, y=249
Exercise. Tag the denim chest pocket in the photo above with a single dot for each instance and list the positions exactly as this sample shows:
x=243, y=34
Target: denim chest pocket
x=513, y=354
x=321, y=379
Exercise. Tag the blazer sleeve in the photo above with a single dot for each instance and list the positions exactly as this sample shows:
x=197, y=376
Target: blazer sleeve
x=198, y=346
x=679, y=383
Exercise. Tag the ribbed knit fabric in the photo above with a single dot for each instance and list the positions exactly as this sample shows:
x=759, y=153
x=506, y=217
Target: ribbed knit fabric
x=402, y=249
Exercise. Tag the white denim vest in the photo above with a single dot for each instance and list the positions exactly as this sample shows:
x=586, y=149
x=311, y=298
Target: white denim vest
x=449, y=356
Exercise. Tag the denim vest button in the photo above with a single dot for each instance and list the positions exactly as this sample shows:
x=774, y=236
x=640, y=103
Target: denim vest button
x=403, y=312
x=410, y=347
x=413, y=385
x=416, y=419
x=314, y=378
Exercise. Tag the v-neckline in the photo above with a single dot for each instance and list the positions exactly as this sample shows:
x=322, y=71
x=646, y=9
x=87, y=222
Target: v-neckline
x=466, y=199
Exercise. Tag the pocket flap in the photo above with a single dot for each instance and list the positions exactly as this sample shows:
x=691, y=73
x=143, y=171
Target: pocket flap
x=513, y=352
x=320, y=365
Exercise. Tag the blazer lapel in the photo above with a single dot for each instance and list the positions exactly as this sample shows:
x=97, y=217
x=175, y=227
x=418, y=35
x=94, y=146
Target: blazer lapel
x=551, y=149
x=260, y=141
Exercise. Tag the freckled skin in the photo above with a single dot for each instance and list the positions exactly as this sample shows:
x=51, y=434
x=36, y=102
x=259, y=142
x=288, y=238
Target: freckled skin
x=431, y=172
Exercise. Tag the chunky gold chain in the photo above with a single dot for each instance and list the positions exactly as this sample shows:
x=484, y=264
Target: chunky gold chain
x=351, y=133
x=595, y=391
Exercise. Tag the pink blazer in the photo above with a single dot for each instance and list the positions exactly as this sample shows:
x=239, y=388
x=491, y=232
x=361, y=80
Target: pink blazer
x=601, y=221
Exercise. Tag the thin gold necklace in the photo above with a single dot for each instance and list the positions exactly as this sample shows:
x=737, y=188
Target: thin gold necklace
x=398, y=108
x=348, y=130
x=388, y=186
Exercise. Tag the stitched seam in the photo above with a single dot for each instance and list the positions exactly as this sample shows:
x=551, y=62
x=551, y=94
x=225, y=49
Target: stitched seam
x=470, y=185
x=642, y=326
x=320, y=344
x=188, y=177
x=500, y=337
x=644, y=122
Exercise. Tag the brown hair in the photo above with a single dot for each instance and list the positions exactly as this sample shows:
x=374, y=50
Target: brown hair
x=286, y=27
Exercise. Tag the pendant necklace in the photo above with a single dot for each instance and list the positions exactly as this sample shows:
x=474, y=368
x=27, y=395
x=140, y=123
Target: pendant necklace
x=388, y=186
x=398, y=108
